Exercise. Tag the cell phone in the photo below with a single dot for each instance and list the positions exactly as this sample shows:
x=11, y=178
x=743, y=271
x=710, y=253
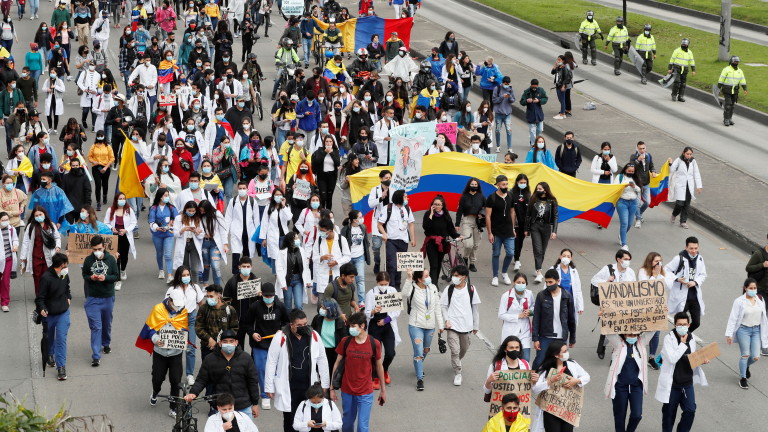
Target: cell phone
x=381, y=401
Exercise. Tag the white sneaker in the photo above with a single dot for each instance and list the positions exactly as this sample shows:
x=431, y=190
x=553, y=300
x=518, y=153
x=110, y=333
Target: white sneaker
x=498, y=149
x=495, y=281
x=190, y=380
x=172, y=414
x=118, y=286
x=625, y=247
x=161, y=275
x=539, y=278
x=638, y=224
x=505, y=278
x=266, y=404
x=559, y=117
x=31, y=18
x=123, y=275
x=517, y=265
x=457, y=380
x=69, y=78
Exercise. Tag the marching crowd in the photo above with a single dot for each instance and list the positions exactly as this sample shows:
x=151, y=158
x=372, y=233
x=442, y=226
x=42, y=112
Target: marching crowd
x=222, y=192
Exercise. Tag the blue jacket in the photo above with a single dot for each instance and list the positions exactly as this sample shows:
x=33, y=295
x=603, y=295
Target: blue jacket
x=308, y=26
x=308, y=122
x=437, y=67
x=162, y=217
x=486, y=73
x=544, y=157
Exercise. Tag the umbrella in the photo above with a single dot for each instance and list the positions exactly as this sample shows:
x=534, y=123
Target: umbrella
x=716, y=94
x=44, y=345
x=637, y=59
x=575, y=82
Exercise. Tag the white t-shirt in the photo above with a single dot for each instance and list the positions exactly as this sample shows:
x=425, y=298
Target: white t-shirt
x=397, y=227
x=459, y=310
x=263, y=191
x=557, y=326
x=193, y=295
x=356, y=247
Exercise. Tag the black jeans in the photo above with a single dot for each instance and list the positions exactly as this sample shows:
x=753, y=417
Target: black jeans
x=124, y=249
x=393, y=247
x=435, y=259
x=681, y=207
x=519, y=239
x=326, y=182
x=171, y=366
x=102, y=183
x=554, y=424
x=693, y=308
x=386, y=336
x=297, y=397
x=540, y=233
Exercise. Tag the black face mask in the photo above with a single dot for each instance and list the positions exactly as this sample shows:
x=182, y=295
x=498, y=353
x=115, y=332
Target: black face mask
x=542, y=194
x=304, y=170
x=735, y=65
x=514, y=354
x=386, y=182
x=503, y=190
x=474, y=188
x=552, y=287
x=621, y=26
x=684, y=48
x=304, y=330
x=263, y=176
x=364, y=138
x=569, y=141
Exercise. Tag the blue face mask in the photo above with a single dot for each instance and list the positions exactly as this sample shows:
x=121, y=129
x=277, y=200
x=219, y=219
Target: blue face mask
x=206, y=170
x=316, y=405
x=323, y=312
x=186, y=279
x=121, y=203
x=194, y=185
x=296, y=243
x=219, y=117
x=211, y=301
x=520, y=288
x=631, y=340
x=681, y=330
x=752, y=293
x=245, y=271
x=354, y=331
x=9, y=187
x=228, y=348
x=269, y=300
x=315, y=204
x=190, y=214
x=323, y=235
x=39, y=219
x=166, y=200
x=83, y=215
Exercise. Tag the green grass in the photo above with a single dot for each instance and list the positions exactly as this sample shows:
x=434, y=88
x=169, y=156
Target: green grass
x=754, y=11
x=560, y=16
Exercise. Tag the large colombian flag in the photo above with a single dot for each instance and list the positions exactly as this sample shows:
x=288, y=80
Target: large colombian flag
x=660, y=187
x=133, y=170
x=448, y=173
x=158, y=318
x=357, y=32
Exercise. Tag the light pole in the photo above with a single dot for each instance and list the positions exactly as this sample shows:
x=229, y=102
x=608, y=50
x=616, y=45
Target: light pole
x=624, y=12
x=724, y=53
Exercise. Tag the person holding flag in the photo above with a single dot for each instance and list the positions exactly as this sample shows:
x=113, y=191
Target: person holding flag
x=19, y=168
x=167, y=71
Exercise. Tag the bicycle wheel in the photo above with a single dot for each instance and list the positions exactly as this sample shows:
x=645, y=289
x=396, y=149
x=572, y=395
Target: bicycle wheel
x=446, y=267
x=259, y=107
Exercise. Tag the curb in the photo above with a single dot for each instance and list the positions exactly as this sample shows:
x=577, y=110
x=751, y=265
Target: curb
x=746, y=25
x=563, y=41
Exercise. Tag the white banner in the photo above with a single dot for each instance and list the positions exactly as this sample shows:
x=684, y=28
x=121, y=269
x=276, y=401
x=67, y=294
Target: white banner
x=408, y=154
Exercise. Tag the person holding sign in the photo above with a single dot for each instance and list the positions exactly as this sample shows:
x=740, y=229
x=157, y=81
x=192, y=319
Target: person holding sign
x=617, y=272
x=88, y=223
x=508, y=357
x=508, y=419
x=677, y=377
x=382, y=325
x=557, y=367
x=627, y=378
x=300, y=188
x=749, y=325
x=240, y=303
x=653, y=269
x=182, y=282
x=397, y=228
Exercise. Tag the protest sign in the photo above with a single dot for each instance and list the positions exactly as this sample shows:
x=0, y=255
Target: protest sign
x=450, y=130
x=512, y=381
x=248, y=289
x=174, y=339
x=633, y=307
x=413, y=261
x=486, y=157
x=79, y=246
x=293, y=7
x=708, y=352
x=390, y=302
x=423, y=132
x=407, y=164
x=301, y=189
x=166, y=99
x=563, y=403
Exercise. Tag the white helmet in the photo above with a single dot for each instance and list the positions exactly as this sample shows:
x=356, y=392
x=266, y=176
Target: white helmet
x=362, y=52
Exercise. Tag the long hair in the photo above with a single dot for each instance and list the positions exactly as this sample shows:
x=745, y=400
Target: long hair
x=32, y=223
x=535, y=149
x=502, y=351
x=176, y=281
x=571, y=264
x=648, y=263
x=308, y=176
x=545, y=186
x=209, y=219
x=272, y=203
x=549, y=358
x=159, y=196
x=635, y=176
x=94, y=221
x=526, y=192
x=126, y=208
x=187, y=220
x=466, y=187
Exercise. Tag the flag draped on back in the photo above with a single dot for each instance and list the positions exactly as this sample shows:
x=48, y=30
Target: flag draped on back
x=133, y=169
x=660, y=186
x=158, y=318
x=165, y=72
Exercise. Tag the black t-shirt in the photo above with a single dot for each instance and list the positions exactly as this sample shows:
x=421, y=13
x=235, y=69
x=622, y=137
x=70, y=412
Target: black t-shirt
x=521, y=209
x=235, y=427
x=501, y=214
x=683, y=374
x=300, y=361
x=317, y=416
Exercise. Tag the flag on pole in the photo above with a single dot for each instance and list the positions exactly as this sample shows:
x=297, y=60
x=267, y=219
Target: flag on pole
x=133, y=169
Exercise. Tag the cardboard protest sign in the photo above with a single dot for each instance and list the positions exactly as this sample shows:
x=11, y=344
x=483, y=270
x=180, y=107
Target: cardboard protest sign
x=633, y=307
x=708, y=352
x=390, y=302
x=248, y=289
x=512, y=381
x=301, y=189
x=408, y=154
x=174, y=339
x=79, y=246
x=563, y=403
x=450, y=129
x=413, y=261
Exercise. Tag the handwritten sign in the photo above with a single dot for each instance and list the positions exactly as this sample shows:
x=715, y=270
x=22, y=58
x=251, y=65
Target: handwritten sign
x=512, y=381
x=293, y=7
x=413, y=261
x=79, y=246
x=563, y=403
x=302, y=190
x=173, y=339
x=390, y=302
x=708, y=352
x=248, y=289
x=407, y=164
x=450, y=130
x=633, y=307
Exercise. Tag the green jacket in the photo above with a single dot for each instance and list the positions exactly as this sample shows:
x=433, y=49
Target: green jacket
x=213, y=320
x=9, y=100
x=107, y=267
x=61, y=15
x=755, y=264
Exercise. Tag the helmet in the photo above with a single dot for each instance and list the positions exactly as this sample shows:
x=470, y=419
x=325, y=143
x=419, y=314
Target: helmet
x=287, y=42
x=685, y=42
x=619, y=19
x=251, y=56
x=734, y=59
x=590, y=14
x=362, y=52
x=647, y=27
x=426, y=65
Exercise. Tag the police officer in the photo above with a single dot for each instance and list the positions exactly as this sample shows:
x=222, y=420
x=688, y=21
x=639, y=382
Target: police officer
x=587, y=31
x=618, y=37
x=646, y=47
x=730, y=79
x=681, y=62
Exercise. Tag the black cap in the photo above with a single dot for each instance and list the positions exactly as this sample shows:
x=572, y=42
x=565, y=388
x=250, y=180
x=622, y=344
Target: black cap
x=268, y=289
x=534, y=82
x=228, y=334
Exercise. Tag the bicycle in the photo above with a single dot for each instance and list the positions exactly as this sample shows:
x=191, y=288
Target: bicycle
x=454, y=257
x=257, y=105
x=318, y=52
x=185, y=411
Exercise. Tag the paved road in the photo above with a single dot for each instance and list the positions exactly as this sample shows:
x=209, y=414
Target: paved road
x=121, y=386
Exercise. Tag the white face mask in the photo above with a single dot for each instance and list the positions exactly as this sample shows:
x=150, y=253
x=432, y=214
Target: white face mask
x=565, y=261
x=228, y=416
x=625, y=263
x=565, y=356
x=455, y=280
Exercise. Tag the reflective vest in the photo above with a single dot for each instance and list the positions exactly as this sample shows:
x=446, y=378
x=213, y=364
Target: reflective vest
x=682, y=58
x=645, y=44
x=589, y=28
x=617, y=35
x=733, y=78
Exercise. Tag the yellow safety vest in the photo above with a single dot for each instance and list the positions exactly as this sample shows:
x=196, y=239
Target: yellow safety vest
x=732, y=77
x=645, y=44
x=618, y=36
x=589, y=28
x=682, y=58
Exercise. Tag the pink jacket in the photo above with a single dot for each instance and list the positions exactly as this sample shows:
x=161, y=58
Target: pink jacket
x=166, y=18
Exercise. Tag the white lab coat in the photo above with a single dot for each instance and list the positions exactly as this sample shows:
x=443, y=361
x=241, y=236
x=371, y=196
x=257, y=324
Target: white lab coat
x=133, y=105
x=627, y=275
x=370, y=303
x=165, y=151
x=101, y=102
x=672, y=353
x=278, y=364
x=235, y=88
x=238, y=10
x=619, y=356
x=678, y=293
x=381, y=131
x=270, y=231
x=330, y=414
x=129, y=222
x=170, y=134
x=216, y=424
x=512, y=324
x=13, y=164
x=737, y=314
x=14, y=244
x=147, y=77
x=281, y=268
x=58, y=93
x=28, y=244
x=220, y=234
x=578, y=296
x=377, y=206
x=186, y=196
x=88, y=81
x=340, y=253
x=103, y=35
x=537, y=425
x=181, y=241
x=234, y=221
x=305, y=223
x=682, y=177
x=173, y=183
x=597, y=162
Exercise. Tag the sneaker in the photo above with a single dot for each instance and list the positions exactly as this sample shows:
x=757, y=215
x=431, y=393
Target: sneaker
x=505, y=278
x=161, y=275
x=638, y=224
x=472, y=268
x=123, y=275
x=169, y=279
x=743, y=383
x=69, y=78
x=749, y=374
x=419, y=385
x=672, y=219
x=652, y=363
x=495, y=281
x=51, y=361
x=764, y=352
x=568, y=114
x=62, y=373
x=172, y=414
x=5, y=309
x=625, y=247
x=517, y=265
x=683, y=225
x=498, y=149
x=107, y=350
x=457, y=380
x=98, y=206
x=387, y=379
x=559, y=117
x=153, y=399
x=31, y=18
x=118, y=286
x=599, y=226
x=376, y=384
x=190, y=380
x=266, y=404
x=135, y=234
x=539, y=278
x=95, y=363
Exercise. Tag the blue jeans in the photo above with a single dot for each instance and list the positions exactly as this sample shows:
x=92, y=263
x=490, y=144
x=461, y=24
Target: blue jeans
x=192, y=338
x=306, y=44
x=356, y=407
x=686, y=399
x=34, y=6
x=58, y=327
x=534, y=130
x=99, y=313
x=465, y=92
x=281, y=135
x=7, y=44
x=421, y=339
x=376, y=243
x=247, y=412
x=527, y=354
x=211, y=259
x=506, y=121
x=260, y=361
x=749, y=345
x=544, y=342
x=359, y=263
x=626, y=210
x=642, y=205
x=561, y=99
x=294, y=294
x=229, y=185
x=632, y=394
x=35, y=74
x=164, y=252
x=509, y=249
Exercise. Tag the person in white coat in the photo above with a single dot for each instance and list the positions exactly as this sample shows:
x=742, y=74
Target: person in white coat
x=193, y=299
x=226, y=417
x=330, y=252
x=382, y=325
x=139, y=103
x=689, y=272
x=748, y=324
x=194, y=192
x=237, y=8
x=242, y=218
x=100, y=108
x=121, y=219
x=160, y=149
x=100, y=30
x=378, y=199
x=515, y=312
x=677, y=378
x=9, y=240
x=188, y=229
x=230, y=87
x=292, y=281
x=569, y=373
x=30, y=255
x=570, y=280
x=317, y=413
x=604, y=165
x=282, y=383
x=381, y=136
x=627, y=378
x=54, y=88
x=215, y=241
x=619, y=271
x=163, y=179
x=274, y=225
x=653, y=269
x=684, y=178
x=88, y=83
x=147, y=74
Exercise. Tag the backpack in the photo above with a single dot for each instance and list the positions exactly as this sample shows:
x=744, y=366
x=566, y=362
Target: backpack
x=389, y=215
x=594, y=291
x=471, y=294
x=410, y=298
x=338, y=374
x=760, y=274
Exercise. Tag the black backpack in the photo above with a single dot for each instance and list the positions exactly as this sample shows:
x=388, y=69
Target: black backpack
x=471, y=294
x=594, y=291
